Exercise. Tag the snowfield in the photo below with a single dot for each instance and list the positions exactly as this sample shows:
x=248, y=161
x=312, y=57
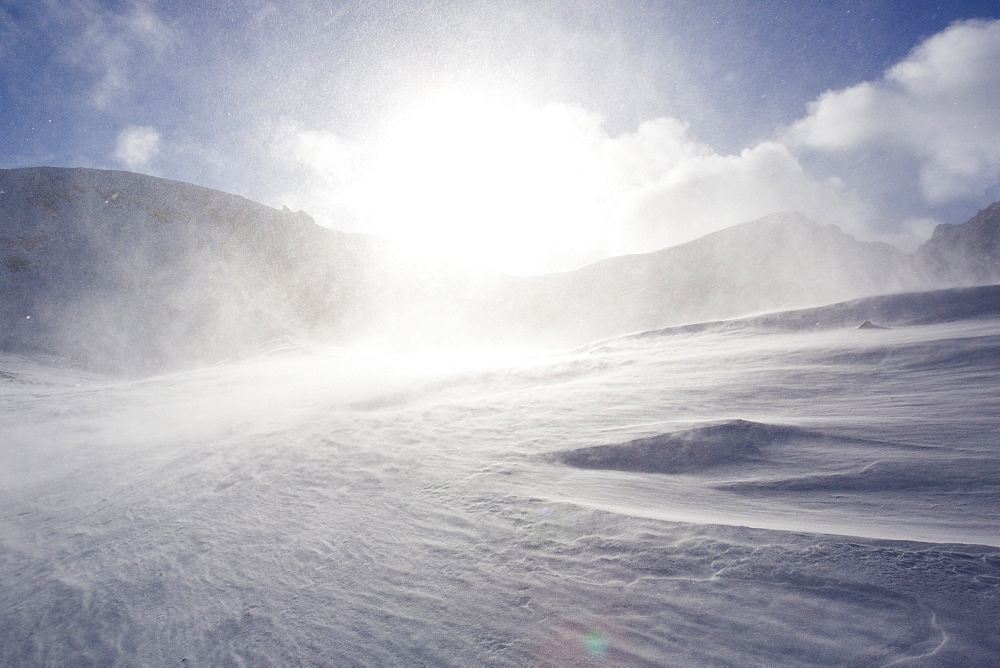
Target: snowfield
x=781, y=490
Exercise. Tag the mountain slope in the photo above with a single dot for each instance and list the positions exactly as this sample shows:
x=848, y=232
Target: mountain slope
x=138, y=273
x=787, y=498
x=967, y=254
x=780, y=261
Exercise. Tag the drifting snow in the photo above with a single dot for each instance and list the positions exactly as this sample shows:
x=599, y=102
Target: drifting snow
x=749, y=494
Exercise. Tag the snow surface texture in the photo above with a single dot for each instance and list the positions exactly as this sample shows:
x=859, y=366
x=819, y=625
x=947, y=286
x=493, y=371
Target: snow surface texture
x=742, y=494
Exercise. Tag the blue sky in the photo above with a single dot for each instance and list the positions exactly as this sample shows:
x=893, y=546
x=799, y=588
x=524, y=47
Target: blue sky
x=529, y=136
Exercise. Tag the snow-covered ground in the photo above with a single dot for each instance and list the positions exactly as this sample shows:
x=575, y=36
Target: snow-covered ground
x=746, y=494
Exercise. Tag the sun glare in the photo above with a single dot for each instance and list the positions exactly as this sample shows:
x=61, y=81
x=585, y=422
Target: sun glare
x=477, y=180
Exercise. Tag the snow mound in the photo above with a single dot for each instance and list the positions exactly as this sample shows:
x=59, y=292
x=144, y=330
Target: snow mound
x=692, y=450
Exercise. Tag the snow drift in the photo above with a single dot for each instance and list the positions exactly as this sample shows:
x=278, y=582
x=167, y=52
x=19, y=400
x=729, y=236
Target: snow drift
x=759, y=496
x=697, y=449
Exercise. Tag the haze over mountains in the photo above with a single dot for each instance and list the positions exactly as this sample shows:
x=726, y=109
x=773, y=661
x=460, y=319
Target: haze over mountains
x=138, y=274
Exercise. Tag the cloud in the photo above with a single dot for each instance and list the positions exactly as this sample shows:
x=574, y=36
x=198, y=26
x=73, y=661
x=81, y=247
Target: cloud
x=938, y=106
x=12, y=35
x=706, y=192
x=327, y=154
x=137, y=145
x=318, y=170
x=532, y=189
x=110, y=44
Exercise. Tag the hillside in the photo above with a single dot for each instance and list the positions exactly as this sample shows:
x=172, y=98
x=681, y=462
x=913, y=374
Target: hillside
x=136, y=274
x=781, y=261
x=967, y=254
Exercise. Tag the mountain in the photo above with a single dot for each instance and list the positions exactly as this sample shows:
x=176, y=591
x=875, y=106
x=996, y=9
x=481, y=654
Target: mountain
x=966, y=254
x=781, y=261
x=137, y=275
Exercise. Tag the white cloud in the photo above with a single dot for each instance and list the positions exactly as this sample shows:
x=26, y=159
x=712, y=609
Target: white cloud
x=654, y=149
x=137, y=145
x=532, y=189
x=322, y=168
x=326, y=153
x=707, y=192
x=938, y=106
x=111, y=44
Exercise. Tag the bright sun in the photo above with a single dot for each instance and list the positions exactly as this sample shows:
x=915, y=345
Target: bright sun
x=483, y=181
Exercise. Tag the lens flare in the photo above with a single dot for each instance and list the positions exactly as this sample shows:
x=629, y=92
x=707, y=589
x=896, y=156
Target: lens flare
x=596, y=644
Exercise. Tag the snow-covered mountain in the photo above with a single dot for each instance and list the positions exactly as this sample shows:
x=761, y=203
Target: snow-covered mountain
x=783, y=489
x=781, y=261
x=965, y=254
x=139, y=274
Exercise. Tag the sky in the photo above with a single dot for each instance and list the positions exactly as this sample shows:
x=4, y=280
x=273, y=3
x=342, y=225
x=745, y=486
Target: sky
x=524, y=135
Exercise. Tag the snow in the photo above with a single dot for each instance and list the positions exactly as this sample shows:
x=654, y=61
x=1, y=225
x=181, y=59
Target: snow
x=763, y=492
x=138, y=275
